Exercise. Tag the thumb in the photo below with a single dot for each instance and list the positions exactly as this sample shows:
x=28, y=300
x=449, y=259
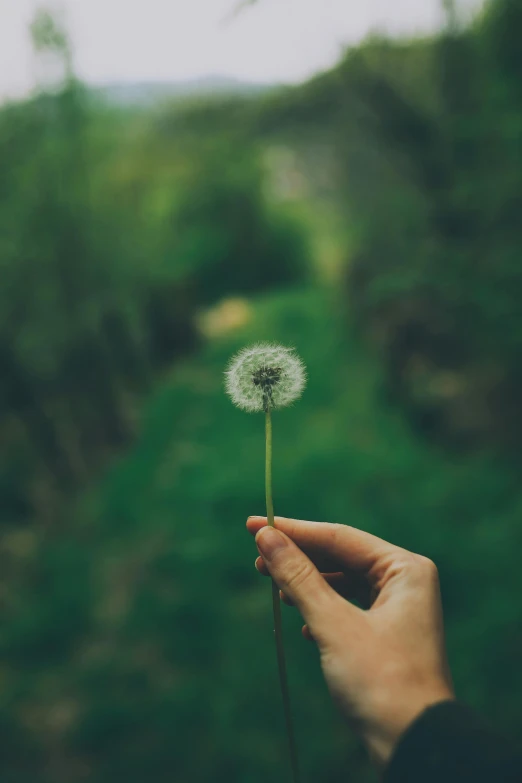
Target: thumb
x=297, y=576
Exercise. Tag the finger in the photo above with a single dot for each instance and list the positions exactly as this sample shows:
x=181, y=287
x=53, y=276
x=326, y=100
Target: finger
x=298, y=578
x=345, y=585
x=306, y=633
x=330, y=545
x=353, y=587
x=261, y=567
x=324, y=562
x=285, y=599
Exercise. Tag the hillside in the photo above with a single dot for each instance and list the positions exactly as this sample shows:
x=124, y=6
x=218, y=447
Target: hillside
x=147, y=94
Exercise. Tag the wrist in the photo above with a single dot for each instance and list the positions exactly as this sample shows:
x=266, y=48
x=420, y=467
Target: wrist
x=383, y=735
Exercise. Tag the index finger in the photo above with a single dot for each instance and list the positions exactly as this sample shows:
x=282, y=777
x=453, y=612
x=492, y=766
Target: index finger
x=330, y=544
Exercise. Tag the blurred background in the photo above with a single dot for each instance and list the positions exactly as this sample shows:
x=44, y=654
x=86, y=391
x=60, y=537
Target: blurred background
x=179, y=179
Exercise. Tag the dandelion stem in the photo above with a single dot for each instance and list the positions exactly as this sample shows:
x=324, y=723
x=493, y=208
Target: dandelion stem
x=268, y=469
x=278, y=628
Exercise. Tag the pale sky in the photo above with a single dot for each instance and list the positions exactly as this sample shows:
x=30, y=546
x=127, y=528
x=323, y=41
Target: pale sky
x=172, y=40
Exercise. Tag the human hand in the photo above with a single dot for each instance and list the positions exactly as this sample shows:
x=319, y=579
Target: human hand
x=384, y=663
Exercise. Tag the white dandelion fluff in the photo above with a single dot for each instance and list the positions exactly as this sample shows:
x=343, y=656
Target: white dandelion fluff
x=265, y=377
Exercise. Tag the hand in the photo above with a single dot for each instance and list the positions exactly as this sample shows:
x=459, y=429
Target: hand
x=384, y=661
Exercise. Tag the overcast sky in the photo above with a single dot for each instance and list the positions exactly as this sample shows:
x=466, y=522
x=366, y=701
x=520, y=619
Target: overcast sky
x=166, y=40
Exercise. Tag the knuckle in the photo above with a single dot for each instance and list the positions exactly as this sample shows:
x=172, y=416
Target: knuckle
x=404, y=560
x=299, y=575
x=429, y=568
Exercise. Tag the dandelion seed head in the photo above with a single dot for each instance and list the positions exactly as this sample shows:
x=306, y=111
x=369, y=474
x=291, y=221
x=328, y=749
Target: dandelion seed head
x=265, y=377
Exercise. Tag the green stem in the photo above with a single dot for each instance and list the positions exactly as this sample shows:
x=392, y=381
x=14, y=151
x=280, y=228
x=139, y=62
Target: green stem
x=278, y=626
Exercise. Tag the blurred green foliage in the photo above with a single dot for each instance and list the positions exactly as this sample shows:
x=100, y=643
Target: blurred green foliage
x=370, y=218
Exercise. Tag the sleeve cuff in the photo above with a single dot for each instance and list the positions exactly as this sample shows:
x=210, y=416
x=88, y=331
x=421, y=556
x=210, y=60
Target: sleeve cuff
x=450, y=743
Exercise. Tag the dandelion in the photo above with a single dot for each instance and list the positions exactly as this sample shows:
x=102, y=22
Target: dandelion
x=264, y=378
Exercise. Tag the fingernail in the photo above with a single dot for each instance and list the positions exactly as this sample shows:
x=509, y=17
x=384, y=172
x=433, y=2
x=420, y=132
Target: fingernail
x=255, y=516
x=269, y=541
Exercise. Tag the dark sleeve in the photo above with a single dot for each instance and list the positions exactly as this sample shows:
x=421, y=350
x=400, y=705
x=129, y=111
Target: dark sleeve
x=449, y=743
